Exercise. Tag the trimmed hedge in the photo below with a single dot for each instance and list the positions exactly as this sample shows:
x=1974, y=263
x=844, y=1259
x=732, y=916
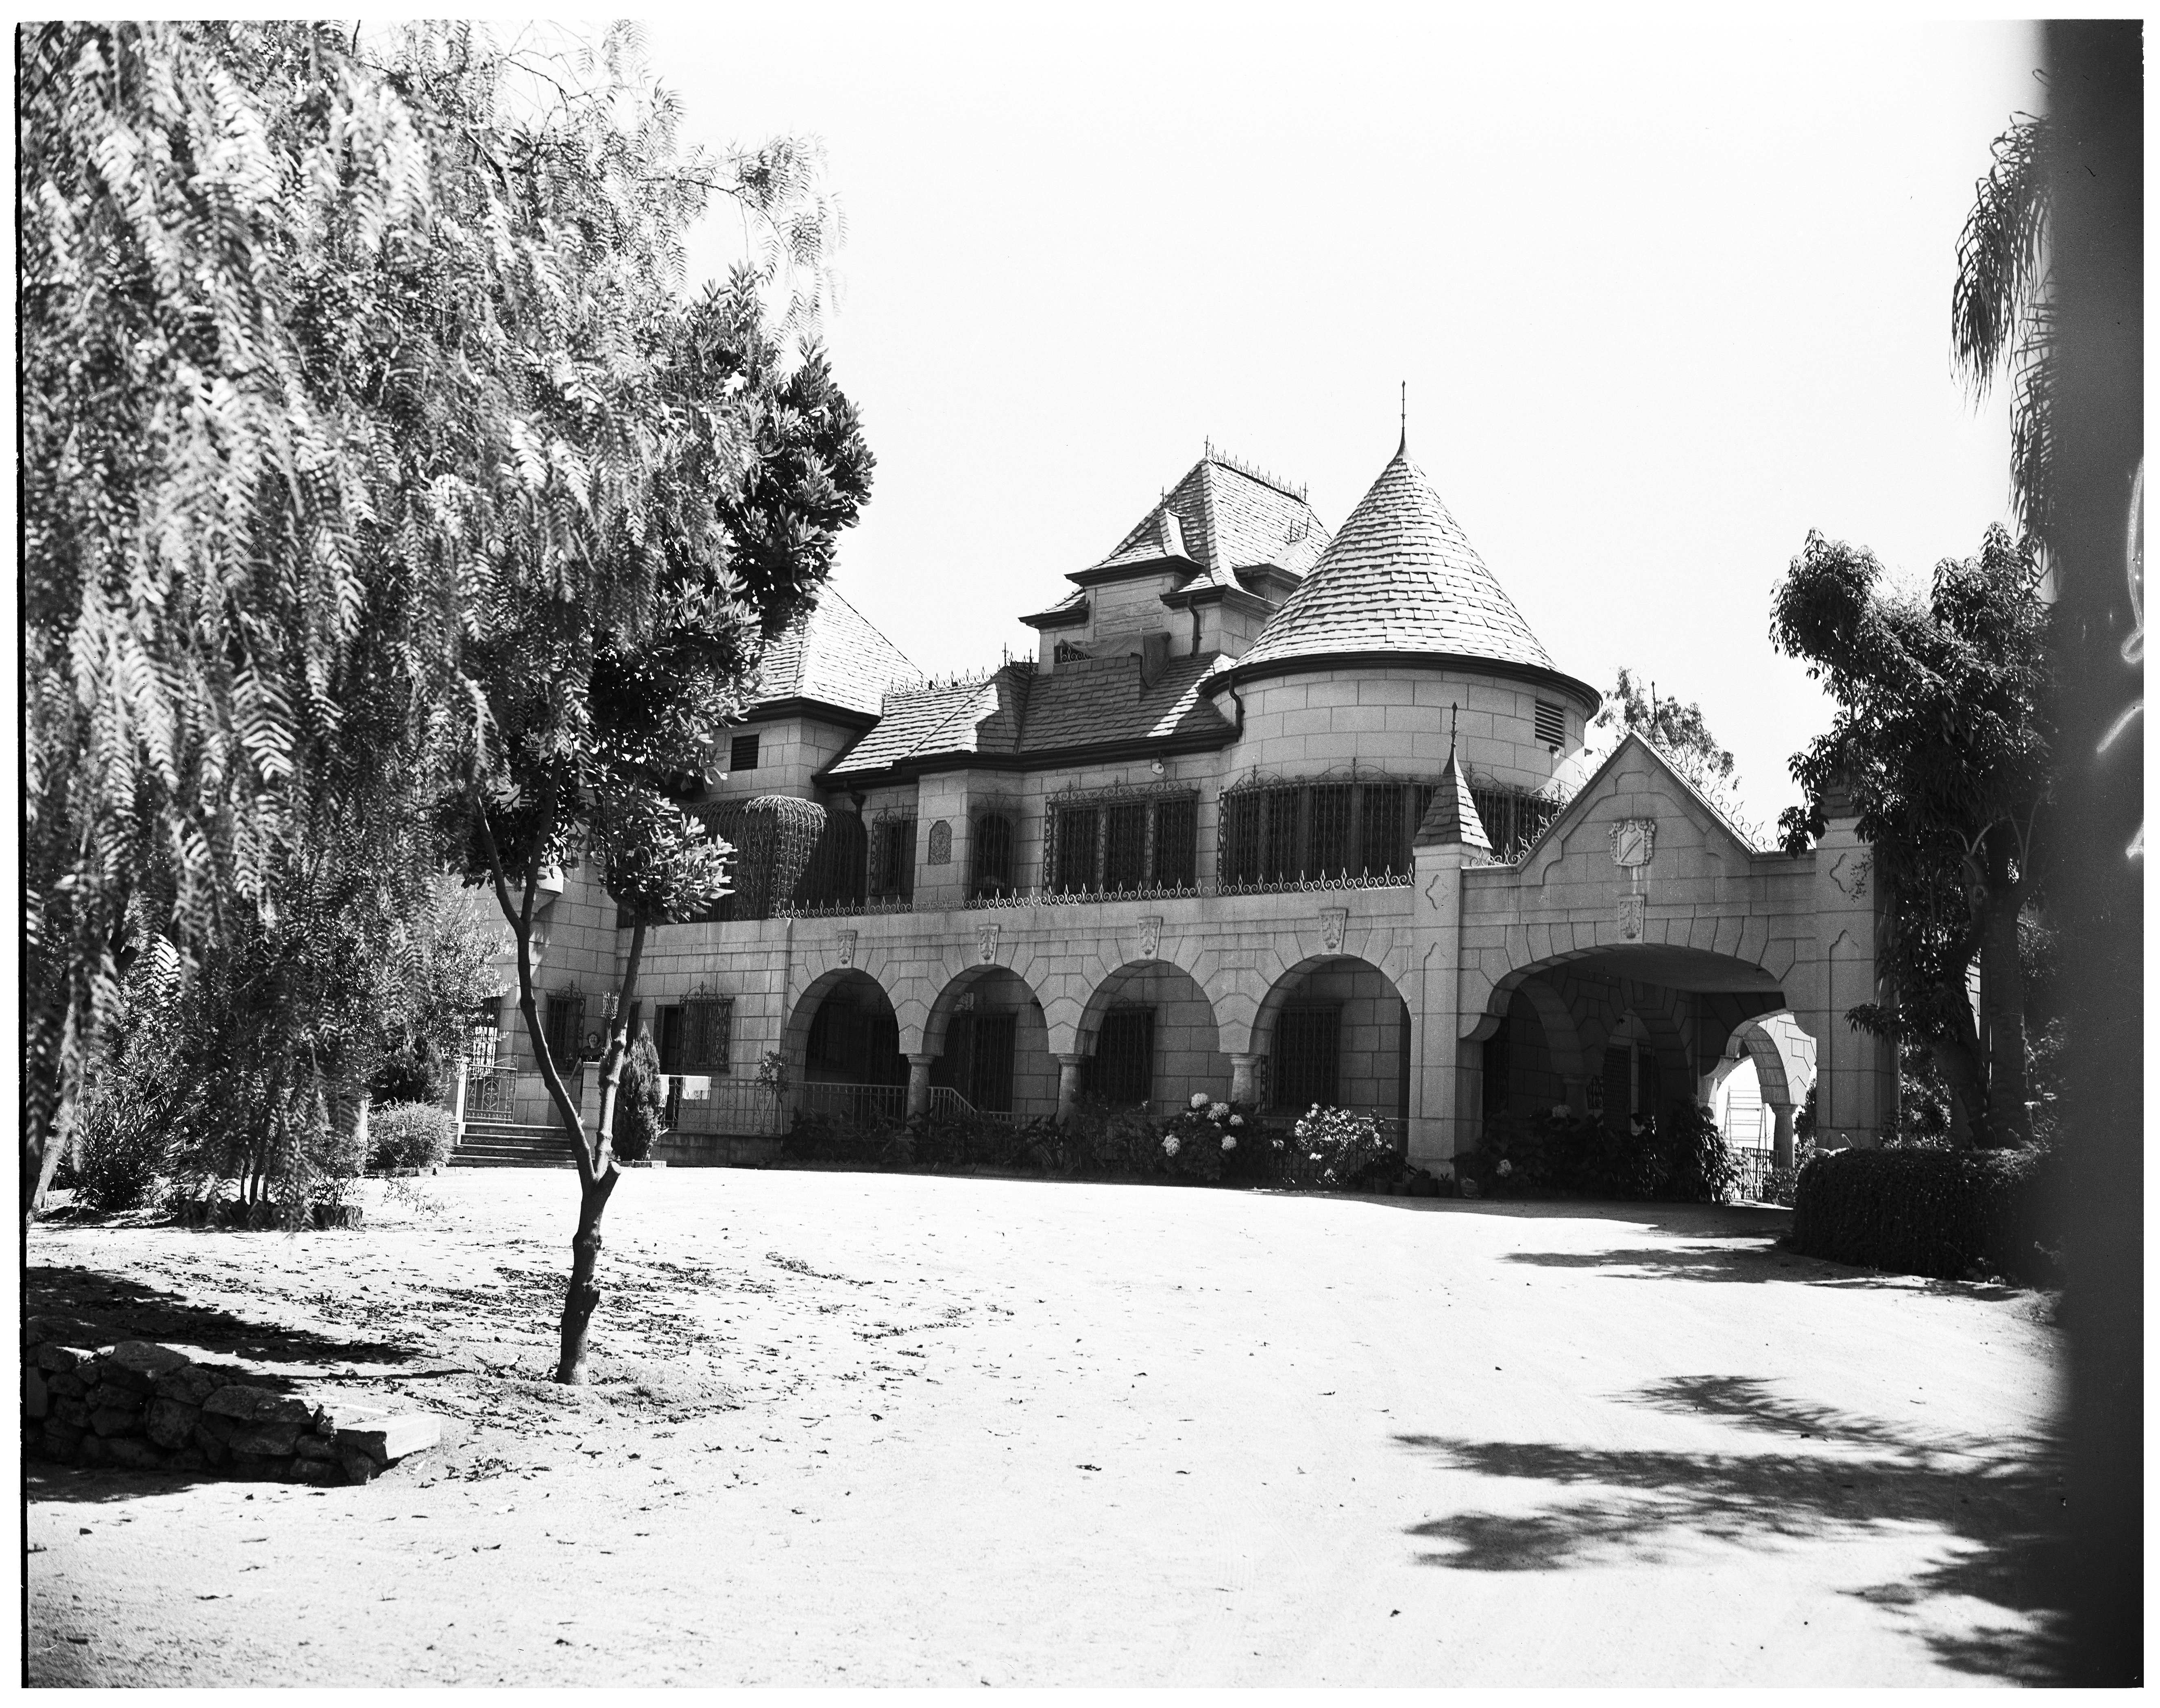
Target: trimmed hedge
x=1956, y=1215
x=410, y=1136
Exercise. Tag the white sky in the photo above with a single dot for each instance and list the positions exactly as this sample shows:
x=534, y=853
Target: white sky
x=1665, y=299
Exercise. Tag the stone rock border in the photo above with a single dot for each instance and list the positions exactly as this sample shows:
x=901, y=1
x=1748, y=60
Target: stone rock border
x=146, y=1407
x=224, y=1212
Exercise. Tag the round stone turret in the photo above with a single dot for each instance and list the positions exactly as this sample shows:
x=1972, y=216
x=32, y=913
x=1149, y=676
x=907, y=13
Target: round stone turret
x=1399, y=639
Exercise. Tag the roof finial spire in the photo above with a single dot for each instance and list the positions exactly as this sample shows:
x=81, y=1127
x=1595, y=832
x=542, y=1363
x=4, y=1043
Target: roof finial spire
x=1402, y=449
x=1451, y=710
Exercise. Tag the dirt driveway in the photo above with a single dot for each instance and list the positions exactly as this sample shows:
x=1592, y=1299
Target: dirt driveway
x=863, y=1429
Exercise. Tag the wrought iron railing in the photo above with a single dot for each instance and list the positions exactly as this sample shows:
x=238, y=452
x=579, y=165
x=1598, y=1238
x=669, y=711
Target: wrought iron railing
x=706, y=1104
x=857, y=1104
x=1185, y=892
x=946, y=1102
x=844, y=910
x=491, y=1093
x=1756, y=1167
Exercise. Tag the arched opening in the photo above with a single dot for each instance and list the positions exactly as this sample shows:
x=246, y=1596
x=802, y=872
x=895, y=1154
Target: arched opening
x=843, y=1048
x=1149, y=1032
x=1334, y=1031
x=987, y=1032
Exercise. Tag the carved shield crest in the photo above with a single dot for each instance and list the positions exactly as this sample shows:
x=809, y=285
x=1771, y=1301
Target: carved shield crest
x=986, y=940
x=847, y=948
x=1333, y=921
x=1150, y=938
x=1631, y=918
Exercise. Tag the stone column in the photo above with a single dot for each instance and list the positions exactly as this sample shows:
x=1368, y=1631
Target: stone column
x=1438, y=1128
x=918, y=1083
x=1781, y=1142
x=1244, y=1079
x=1068, y=1082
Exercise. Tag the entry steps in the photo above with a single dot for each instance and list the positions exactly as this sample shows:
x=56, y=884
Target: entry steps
x=511, y=1145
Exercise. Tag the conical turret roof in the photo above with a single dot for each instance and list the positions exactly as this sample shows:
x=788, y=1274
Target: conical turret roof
x=1399, y=576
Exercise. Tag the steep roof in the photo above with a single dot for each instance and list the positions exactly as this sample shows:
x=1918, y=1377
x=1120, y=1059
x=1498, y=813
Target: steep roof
x=1399, y=576
x=1222, y=517
x=1453, y=817
x=831, y=654
x=1019, y=713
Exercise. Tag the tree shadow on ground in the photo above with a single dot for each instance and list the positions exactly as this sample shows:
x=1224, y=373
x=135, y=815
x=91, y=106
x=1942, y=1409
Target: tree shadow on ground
x=1995, y=1501
x=1761, y=1263
x=106, y=1308
x=1727, y=1219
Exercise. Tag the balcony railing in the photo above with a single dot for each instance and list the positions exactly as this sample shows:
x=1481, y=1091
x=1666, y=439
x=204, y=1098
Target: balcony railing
x=1185, y=892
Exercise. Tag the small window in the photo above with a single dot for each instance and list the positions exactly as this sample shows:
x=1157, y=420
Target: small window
x=893, y=877
x=564, y=1027
x=992, y=855
x=1551, y=724
x=742, y=753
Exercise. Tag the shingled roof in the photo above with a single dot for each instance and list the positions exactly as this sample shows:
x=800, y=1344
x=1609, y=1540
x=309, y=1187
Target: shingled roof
x=832, y=655
x=1222, y=517
x=1399, y=576
x=1019, y=713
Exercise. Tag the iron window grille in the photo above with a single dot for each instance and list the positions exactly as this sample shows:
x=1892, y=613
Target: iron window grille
x=839, y=872
x=742, y=753
x=1122, y=1070
x=1120, y=841
x=1307, y=1060
x=1271, y=832
x=892, y=857
x=1514, y=818
x=990, y=855
x=1279, y=832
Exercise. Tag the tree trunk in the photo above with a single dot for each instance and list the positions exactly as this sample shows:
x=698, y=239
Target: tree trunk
x=583, y=1296
x=2002, y=1004
x=1968, y=1090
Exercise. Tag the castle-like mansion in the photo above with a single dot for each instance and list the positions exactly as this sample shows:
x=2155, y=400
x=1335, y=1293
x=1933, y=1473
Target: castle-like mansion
x=1272, y=815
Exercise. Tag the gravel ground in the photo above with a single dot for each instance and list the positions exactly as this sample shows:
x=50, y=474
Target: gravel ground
x=890, y=1430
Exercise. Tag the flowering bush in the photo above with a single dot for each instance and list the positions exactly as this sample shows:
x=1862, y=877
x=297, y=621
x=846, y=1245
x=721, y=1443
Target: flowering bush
x=1202, y=1141
x=1336, y=1149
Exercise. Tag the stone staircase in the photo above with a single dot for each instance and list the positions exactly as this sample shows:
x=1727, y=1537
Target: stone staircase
x=510, y=1144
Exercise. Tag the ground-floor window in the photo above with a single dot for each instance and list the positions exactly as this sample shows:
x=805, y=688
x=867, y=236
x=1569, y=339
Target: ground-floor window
x=564, y=1026
x=1122, y=1070
x=1307, y=1058
x=694, y=1036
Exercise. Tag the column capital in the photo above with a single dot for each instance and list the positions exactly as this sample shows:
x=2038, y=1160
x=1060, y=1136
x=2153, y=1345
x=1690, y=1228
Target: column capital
x=921, y=1058
x=1074, y=1058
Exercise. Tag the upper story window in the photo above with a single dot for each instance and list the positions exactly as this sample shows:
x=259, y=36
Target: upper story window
x=837, y=874
x=1286, y=832
x=742, y=753
x=990, y=855
x=892, y=857
x=1113, y=842
x=1551, y=724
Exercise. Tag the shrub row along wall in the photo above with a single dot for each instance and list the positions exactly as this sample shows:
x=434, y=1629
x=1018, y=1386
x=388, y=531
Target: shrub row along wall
x=1952, y=1214
x=149, y=1408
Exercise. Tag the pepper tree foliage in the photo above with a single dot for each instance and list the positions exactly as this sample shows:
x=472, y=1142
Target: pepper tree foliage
x=1942, y=739
x=343, y=361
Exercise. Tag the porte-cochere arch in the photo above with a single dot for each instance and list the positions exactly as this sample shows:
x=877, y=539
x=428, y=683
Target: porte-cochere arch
x=1552, y=1032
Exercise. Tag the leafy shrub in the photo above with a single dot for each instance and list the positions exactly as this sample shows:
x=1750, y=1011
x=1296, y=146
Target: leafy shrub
x=122, y=1146
x=1956, y=1215
x=1335, y=1150
x=1114, y=1142
x=409, y=1136
x=1698, y=1168
x=641, y=1105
